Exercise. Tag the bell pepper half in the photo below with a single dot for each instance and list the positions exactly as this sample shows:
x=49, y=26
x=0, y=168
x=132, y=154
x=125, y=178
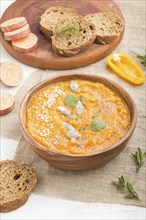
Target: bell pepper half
x=125, y=67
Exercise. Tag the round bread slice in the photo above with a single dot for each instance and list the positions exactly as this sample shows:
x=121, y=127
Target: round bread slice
x=52, y=16
x=17, y=182
x=74, y=35
x=11, y=73
x=108, y=26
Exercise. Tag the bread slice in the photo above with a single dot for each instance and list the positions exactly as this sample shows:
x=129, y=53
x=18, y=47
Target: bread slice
x=52, y=16
x=17, y=182
x=70, y=43
x=108, y=26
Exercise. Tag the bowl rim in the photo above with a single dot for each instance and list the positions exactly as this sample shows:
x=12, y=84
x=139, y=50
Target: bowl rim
x=89, y=77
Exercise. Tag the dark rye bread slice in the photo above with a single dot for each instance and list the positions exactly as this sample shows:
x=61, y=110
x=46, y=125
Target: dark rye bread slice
x=17, y=182
x=52, y=16
x=73, y=43
x=108, y=26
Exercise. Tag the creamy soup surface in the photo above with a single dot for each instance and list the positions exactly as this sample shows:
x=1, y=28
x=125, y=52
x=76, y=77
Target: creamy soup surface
x=77, y=117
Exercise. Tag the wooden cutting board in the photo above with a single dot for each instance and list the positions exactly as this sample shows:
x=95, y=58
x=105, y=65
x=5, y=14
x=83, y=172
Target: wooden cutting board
x=44, y=57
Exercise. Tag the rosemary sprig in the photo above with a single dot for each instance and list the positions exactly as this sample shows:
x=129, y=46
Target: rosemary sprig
x=126, y=187
x=142, y=58
x=139, y=158
x=69, y=28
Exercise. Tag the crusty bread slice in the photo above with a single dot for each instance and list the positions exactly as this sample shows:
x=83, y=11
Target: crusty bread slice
x=70, y=43
x=108, y=26
x=52, y=16
x=17, y=182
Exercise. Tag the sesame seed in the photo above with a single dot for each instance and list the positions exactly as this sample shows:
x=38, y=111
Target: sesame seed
x=44, y=133
x=52, y=97
x=43, y=117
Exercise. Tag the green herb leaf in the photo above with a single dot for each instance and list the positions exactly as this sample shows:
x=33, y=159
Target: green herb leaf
x=142, y=58
x=83, y=128
x=70, y=100
x=140, y=153
x=139, y=158
x=97, y=125
x=82, y=100
x=126, y=186
x=129, y=186
x=74, y=27
x=96, y=114
x=73, y=116
x=121, y=180
x=69, y=28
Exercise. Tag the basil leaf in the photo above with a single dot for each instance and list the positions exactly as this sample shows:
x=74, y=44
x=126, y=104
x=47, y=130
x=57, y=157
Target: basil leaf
x=70, y=100
x=97, y=125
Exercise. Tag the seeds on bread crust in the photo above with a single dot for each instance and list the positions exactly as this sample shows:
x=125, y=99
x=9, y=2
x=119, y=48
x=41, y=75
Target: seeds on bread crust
x=17, y=182
x=73, y=42
x=52, y=16
x=108, y=26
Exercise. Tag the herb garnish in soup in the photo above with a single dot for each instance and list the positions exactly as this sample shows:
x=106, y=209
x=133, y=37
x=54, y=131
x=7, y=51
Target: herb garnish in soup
x=77, y=117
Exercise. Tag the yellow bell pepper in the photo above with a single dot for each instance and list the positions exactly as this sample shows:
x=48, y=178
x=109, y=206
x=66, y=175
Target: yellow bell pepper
x=125, y=67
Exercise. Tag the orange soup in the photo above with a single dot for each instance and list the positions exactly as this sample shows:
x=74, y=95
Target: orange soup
x=77, y=117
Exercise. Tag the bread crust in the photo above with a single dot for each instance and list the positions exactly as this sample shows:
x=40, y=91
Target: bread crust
x=17, y=201
x=44, y=26
x=12, y=205
x=96, y=20
x=72, y=52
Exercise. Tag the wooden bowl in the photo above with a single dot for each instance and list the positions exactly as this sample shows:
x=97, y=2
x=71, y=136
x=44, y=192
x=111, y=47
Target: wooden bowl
x=79, y=162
